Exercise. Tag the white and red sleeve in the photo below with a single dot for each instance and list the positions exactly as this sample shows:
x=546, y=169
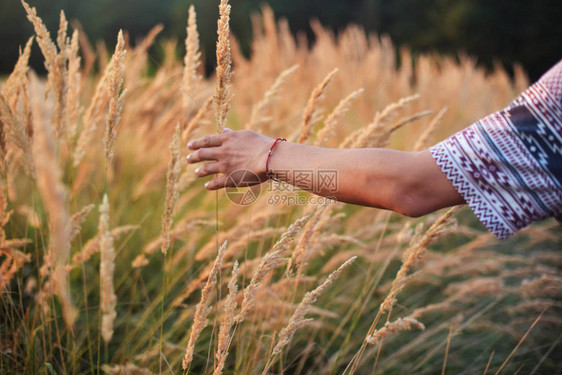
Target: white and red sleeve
x=508, y=165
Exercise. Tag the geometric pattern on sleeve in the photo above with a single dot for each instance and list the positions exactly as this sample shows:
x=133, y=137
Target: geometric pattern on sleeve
x=508, y=165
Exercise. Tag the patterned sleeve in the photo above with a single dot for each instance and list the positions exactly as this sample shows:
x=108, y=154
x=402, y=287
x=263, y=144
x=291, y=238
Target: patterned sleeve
x=508, y=165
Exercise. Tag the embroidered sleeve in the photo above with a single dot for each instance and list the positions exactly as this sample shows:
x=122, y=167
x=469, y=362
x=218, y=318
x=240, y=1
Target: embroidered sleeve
x=508, y=165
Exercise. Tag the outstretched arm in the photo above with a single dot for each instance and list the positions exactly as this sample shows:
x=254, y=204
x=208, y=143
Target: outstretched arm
x=409, y=183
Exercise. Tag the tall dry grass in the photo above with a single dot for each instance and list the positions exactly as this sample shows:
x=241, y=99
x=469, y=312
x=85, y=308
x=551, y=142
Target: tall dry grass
x=71, y=279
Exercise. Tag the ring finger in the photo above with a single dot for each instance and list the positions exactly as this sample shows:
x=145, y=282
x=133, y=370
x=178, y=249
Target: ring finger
x=207, y=169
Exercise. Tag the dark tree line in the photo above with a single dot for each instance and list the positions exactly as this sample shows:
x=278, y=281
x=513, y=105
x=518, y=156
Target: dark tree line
x=506, y=31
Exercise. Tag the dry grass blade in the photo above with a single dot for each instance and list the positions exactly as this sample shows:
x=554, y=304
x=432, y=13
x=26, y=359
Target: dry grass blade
x=378, y=134
x=117, y=98
x=44, y=40
x=194, y=122
x=258, y=117
x=310, y=109
x=520, y=342
x=228, y=320
x=93, y=245
x=202, y=310
x=13, y=259
x=58, y=80
x=400, y=324
x=91, y=117
x=174, y=171
x=297, y=319
x=108, y=299
x=127, y=369
x=14, y=132
x=376, y=129
x=17, y=80
x=192, y=59
x=414, y=253
x=447, y=350
x=223, y=94
x=425, y=138
x=335, y=118
x=78, y=218
x=74, y=83
x=273, y=259
x=55, y=198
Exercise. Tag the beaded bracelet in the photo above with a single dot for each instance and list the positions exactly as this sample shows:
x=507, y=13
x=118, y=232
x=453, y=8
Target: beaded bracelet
x=269, y=174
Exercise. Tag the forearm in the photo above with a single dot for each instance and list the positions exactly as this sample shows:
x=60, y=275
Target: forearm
x=405, y=182
x=410, y=183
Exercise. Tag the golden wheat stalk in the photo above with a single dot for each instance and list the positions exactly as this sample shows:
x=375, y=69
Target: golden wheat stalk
x=223, y=93
x=194, y=122
x=307, y=247
x=179, y=230
x=414, y=253
x=376, y=129
x=115, y=83
x=128, y=368
x=299, y=255
x=297, y=320
x=400, y=324
x=46, y=45
x=174, y=171
x=55, y=198
x=108, y=299
x=336, y=118
x=17, y=80
x=91, y=117
x=3, y=148
x=258, y=117
x=59, y=80
x=377, y=133
x=382, y=140
x=424, y=139
x=310, y=109
x=136, y=60
x=202, y=310
x=139, y=261
x=13, y=259
x=93, y=245
x=12, y=263
x=273, y=259
x=74, y=81
x=14, y=132
x=192, y=59
x=78, y=218
x=228, y=320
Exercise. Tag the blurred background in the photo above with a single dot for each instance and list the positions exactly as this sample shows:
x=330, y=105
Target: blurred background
x=498, y=31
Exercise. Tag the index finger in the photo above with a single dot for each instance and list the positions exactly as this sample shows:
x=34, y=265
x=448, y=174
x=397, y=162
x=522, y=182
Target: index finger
x=210, y=140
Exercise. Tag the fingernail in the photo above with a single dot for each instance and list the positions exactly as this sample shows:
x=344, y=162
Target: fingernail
x=207, y=183
x=197, y=170
x=226, y=130
x=189, y=144
x=189, y=157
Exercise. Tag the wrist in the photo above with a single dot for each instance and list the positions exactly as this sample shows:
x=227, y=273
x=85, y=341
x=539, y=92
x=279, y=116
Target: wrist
x=268, y=171
x=280, y=158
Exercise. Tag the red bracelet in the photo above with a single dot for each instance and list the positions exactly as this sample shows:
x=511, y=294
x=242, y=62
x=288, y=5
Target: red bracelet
x=269, y=155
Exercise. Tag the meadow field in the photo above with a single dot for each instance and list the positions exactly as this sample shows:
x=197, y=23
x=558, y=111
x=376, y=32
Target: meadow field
x=115, y=259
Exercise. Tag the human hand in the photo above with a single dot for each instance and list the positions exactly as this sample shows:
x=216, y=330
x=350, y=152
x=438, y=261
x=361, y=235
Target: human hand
x=239, y=156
